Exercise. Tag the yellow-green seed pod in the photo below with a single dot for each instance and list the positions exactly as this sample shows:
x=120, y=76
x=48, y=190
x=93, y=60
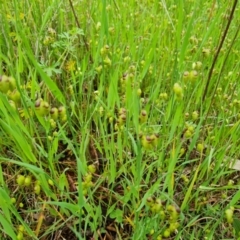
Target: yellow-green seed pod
x=12, y=104
x=50, y=182
x=54, y=113
x=88, y=177
x=122, y=111
x=55, y=133
x=190, y=128
x=143, y=116
x=188, y=134
x=206, y=52
x=197, y=65
x=132, y=69
x=116, y=127
x=158, y=205
x=71, y=90
x=195, y=115
x=103, y=51
x=163, y=96
x=186, y=76
x=159, y=237
x=173, y=217
x=85, y=192
x=229, y=215
x=173, y=226
x=52, y=123
x=150, y=201
x=193, y=76
x=162, y=215
x=107, y=48
x=151, y=232
x=21, y=205
x=224, y=196
x=14, y=96
x=98, y=25
x=62, y=111
x=111, y=30
x=12, y=83
x=64, y=118
x=139, y=92
x=107, y=61
x=182, y=151
x=178, y=90
x=147, y=142
x=193, y=40
x=166, y=233
x=20, y=180
x=41, y=107
x=46, y=107
x=37, y=189
x=21, y=228
x=110, y=119
x=185, y=178
x=28, y=181
x=90, y=184
x=99, y=68
x=122, y=119
x=155, y=138
x=20, y=234
x=84, y=185
x=142, y=63
x=101, y=111
x=126, y=59
x=186, y=115
x=131, y=76
x=92, y=168
x=4, y=84
x=171, y=208
x=230, y=182
x=200, y=147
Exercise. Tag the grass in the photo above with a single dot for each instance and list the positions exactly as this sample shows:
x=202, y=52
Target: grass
x=119, y=120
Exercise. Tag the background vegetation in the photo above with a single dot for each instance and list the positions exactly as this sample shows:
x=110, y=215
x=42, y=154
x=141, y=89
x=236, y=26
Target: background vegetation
x=119, y=119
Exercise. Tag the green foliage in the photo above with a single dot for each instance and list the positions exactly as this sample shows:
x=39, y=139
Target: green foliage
x=112, y=124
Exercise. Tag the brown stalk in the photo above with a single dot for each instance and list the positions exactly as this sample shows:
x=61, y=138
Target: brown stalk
x=219, y=49
x=79, y=26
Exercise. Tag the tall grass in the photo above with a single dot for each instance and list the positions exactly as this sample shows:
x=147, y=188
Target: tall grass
x=121, y=120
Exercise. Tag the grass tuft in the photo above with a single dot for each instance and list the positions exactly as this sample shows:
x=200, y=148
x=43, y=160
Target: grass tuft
x=119, y=120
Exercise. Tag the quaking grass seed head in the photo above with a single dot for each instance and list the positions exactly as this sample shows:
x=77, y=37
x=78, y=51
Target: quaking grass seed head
x=12, y=83
x=186, y=75
x=28, y=181
x=37, y=189
x=197, y=65
x=42, y=107
x=4, y=84
x=178, y=91
x=143, y=116
x=200, y=147
x=229, y=215
x=206, y=52
x=193, y=75
x=62, y=111
x=20, y=180
x=195, y=115
x=54, y=113
x=12, y=104
x=14, y=95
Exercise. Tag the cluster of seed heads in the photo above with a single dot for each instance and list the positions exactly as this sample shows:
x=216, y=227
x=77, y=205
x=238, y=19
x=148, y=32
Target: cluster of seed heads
x=169, y=215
